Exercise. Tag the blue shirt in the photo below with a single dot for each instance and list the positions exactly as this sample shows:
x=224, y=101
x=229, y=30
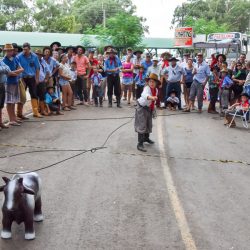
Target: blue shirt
x=115, y=64
x=52, y=64
x=146, y=65
x=13, y=64
x=227, y=82
x=140, y=82
x=96, y=79
x=203, y=71
x=189, y=75
x=29, y=63
x=44, y=70
x=4, y=70
x=49, y=98
x=174, y=74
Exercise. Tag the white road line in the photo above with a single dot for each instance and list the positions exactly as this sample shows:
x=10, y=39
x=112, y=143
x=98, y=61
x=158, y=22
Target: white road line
x=172, y=192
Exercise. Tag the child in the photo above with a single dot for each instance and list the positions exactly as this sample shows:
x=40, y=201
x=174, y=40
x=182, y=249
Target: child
x=144, y=111
x=238, y=108
x=213, y=84
x=52, y=101
x=225, y=85
x=140, y=80
x=172, y=101
x=73, y=80
x=96, y=81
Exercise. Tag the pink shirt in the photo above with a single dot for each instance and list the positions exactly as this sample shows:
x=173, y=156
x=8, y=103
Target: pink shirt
x=82, y=63
x=127, y=65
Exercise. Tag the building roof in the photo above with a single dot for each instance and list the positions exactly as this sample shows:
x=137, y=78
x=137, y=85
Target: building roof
x=39, y=39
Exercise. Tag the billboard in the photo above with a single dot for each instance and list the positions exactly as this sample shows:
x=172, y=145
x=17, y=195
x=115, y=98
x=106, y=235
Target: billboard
x=184, y=37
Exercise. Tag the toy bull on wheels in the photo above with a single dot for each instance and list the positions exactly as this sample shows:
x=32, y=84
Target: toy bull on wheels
x=22, y=203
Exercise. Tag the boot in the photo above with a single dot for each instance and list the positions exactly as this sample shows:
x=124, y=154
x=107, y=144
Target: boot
x=34, y=104
x=146, y=139
x=110, y=101
x=140, y=146
x=118, y=102
x=96, y=101
x=19, y=112
x=101, y=101
x=42, y=108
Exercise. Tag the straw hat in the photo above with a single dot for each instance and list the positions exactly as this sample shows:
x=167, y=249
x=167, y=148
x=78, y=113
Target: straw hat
x=155, y=58
x=8, y=46
x=153, y=77
x=39, y=52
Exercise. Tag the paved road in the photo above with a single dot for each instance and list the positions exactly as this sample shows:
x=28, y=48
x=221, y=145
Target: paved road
x=119, y=199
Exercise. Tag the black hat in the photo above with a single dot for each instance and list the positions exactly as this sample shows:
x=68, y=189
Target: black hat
x=223, y=56
x=20, y=49
x=107, y=47
x=57, y=43
x=173, y=59
x=60, y=48
x=138, y=51
x=245, y=94
x=173, y=91
x=70, y=47
x=80, y=46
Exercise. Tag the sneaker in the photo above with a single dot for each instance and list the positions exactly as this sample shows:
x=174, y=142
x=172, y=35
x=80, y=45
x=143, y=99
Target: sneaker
x=140, y=147
x=186, y=110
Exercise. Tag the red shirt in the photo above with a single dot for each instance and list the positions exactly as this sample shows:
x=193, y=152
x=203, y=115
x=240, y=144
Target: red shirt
x=245, y=104
x=93, y=62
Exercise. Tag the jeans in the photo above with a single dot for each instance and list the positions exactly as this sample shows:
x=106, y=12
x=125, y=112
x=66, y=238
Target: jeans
x=31, y=84
x=176, y=86
x=81, y=88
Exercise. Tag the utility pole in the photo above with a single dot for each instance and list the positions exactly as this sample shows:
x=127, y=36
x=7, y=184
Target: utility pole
x=104, y=15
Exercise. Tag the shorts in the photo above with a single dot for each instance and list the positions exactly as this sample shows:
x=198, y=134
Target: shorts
x=12, y=93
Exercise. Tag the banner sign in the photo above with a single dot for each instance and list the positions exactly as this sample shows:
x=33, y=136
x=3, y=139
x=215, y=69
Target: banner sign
x=184, y=37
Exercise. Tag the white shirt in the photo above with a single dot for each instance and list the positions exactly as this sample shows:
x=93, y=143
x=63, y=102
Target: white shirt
x=156, y=70
x=136, y=61
x=143, y=100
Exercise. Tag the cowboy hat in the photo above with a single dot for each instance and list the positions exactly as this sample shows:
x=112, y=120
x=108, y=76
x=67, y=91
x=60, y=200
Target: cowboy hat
x=111, y=50
x=173, y=59
x=60, y=48
x=57, y=43
x=223, y=56
x=70, y=47
x=39, y=52
x=91, y=50
x=8, y=46
x=138, y=51
x=19, y=48
x=155, y=58
x=166, y=53
x=80, y=47
x=245, y=94
x=107, y=47
x=153, y=77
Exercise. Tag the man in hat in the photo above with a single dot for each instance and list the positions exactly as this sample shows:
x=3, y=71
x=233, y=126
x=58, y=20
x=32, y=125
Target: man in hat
x=12, y=87
x=55, y=45
x=147, y=62
x=30, y=63
x=44, y=75
x=112, y=67
x=186, y=56
x=82, y=68
x=175, y=76
x=155, y=68
x=129, y=52
x=201, y=76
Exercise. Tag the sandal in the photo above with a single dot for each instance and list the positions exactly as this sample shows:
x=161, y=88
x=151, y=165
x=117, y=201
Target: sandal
x=66, y=109
x=3, y=126
x=14, y=124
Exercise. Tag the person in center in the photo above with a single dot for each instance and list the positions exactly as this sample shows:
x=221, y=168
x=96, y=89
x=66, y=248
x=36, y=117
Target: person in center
x=144, y=111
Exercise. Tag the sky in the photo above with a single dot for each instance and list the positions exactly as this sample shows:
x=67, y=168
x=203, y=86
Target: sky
x=159, y=15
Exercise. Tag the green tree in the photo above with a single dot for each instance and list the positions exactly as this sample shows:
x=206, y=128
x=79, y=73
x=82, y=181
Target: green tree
x=233, y=14
x=122, y=33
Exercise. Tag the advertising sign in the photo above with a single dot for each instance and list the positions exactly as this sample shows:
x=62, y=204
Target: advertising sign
x=184, y=37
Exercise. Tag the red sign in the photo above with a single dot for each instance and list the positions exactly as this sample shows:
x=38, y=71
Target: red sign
x=184, y=37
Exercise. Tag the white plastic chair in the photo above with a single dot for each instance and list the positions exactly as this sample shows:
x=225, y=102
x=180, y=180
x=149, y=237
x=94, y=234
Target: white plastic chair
x=244, y=116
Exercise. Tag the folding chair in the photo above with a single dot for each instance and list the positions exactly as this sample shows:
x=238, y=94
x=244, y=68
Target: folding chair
x=239, y=112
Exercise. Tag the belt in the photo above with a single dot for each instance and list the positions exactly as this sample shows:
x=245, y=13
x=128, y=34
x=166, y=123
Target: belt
x=174, y=82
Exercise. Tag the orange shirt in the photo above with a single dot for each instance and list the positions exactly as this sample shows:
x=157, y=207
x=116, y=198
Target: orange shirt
x=82, y=63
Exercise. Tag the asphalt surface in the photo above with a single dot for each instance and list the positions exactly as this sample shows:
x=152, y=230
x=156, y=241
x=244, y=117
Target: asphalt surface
x=118, y=198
